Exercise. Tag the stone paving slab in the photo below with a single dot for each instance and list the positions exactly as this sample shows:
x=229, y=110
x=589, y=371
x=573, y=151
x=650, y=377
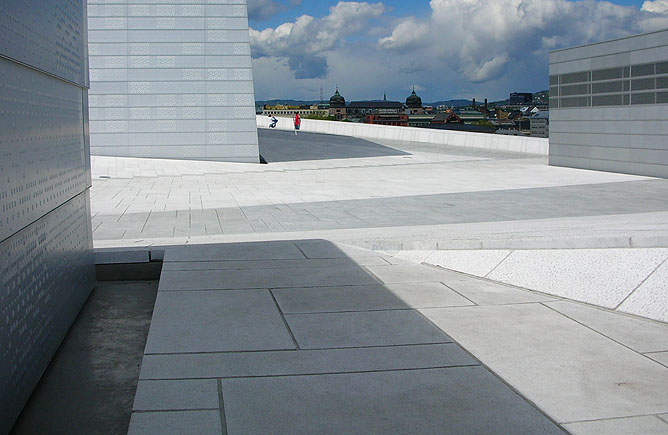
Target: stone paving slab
x=235, y=251
x=628, y=426
x=572, y=372
x=369, y=297
x=637, y=333
x=216, y=321
x=448, y=401
x=271, y=264
x=303, y=362
x=264, y=278
x=175, y=423
x=358, y=329
x=176, y=395
x=479, y=291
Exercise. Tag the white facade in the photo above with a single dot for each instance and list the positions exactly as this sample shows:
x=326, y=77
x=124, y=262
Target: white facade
x=609, y=106
x=171, y=80
x=46, y=261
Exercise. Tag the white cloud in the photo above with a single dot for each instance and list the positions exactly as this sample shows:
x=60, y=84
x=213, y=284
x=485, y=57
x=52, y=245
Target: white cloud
x=305, y=41
x=463, y=48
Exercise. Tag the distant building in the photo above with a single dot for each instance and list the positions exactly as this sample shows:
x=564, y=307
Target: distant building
x=358, y=110
x=414, y=104
x=540, y=124
x=337, y=106
x=398, y=119
x=519, y=98
x=447, y=118
x=285, y=110
x=419, y=120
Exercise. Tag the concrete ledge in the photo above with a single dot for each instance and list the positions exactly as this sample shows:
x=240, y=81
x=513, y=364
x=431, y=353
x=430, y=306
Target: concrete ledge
x=632, y=281
x=520, y=144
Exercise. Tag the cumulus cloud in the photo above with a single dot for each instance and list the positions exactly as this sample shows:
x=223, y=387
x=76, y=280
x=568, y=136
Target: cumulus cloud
x=480, y=38
x=305, y=42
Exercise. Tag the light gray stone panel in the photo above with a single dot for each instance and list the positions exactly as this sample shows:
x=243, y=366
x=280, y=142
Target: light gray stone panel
x=164, y=58
x=198, y=321
x=372, y=328
x=303, y=362
x=630, y=426
x=446, y=401
x=235, y=251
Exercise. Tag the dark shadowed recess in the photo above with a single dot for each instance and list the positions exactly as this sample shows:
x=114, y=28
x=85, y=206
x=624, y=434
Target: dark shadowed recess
x=284, y=146
x=90, y=384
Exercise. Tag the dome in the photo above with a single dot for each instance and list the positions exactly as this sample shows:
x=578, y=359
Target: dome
x=413, y=100
x=337, y=100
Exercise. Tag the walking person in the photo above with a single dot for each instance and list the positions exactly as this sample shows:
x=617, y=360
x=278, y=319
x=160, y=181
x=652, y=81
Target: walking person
x=298, y=122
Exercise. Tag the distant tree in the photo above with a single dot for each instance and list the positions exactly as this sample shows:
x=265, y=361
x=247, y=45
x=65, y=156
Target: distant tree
x=483, y=123
x=320, y=117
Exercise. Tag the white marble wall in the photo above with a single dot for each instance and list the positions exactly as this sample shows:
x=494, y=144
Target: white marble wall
x=46, y=261
x=171, y=80
x=608, y=121
x=520, y=144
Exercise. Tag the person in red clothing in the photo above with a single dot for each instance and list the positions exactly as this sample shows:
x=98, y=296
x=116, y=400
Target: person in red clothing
x=298, y=122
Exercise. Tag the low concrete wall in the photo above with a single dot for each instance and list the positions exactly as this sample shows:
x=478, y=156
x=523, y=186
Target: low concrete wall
x=520, y=144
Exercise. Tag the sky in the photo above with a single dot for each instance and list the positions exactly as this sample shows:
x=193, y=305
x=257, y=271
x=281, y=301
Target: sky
x=446, y=49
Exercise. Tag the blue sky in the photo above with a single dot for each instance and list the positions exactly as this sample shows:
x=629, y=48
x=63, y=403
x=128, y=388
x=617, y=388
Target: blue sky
x=446, y=48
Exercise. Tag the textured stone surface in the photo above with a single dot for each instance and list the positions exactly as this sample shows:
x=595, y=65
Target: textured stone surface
x=649, y=300
x=602, y=277
x=474, y=262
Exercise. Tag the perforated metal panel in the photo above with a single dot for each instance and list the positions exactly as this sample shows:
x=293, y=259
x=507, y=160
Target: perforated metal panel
x=178, y=65
x=46, y=263
x=48, y=35
x=42, y=161
x=45, y=277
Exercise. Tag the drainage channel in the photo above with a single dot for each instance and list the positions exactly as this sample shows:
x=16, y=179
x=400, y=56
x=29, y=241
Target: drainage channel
x=90, y=384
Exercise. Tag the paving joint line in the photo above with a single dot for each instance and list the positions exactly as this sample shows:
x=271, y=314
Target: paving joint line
x=460, y=294
x=598, y=332
x=641, y=283
x=614, y=418
x=221, y=407
x=499, y=264
x=285, y=321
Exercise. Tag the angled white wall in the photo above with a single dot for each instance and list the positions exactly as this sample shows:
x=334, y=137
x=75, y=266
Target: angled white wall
x=609, y=106
x=46, y=261
x=171, y=80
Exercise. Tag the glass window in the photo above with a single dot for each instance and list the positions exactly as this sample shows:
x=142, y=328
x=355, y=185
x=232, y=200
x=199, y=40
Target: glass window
x=662, y=82
x=577, y=77
x=626, y=99
x=662, y=68
x=627, y=71
x=642, y=70
x=607, y=100
x=554, y=103
x=647, y=98
x=607, y=74
x=575, y=102
x=642, y=84
x=554, y=80
x=662, y=97
x=607, y=87
x=554, y=91
x=574, y=90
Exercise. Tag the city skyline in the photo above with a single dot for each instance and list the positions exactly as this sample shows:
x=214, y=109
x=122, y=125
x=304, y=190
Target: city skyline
x=488, y=50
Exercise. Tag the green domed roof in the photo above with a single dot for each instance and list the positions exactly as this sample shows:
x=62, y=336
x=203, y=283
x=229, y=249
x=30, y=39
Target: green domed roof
x=413, y=100
x=337, y=100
